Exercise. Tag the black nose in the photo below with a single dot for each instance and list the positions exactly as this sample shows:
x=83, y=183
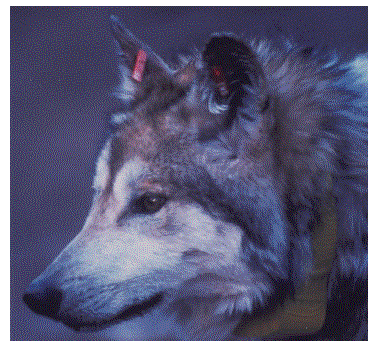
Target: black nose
x=46, y=301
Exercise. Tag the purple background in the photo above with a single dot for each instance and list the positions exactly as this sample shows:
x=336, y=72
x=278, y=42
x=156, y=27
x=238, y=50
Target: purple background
x=63, y=70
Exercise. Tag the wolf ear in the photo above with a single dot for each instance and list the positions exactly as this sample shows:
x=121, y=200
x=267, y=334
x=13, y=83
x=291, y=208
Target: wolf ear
x=234, y=70
x=138, y=57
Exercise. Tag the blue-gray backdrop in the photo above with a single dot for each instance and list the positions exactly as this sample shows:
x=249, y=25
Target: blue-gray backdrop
x=63, y=71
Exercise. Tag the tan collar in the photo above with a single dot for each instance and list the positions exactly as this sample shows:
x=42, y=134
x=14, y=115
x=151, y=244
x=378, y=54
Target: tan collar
x=304, y=314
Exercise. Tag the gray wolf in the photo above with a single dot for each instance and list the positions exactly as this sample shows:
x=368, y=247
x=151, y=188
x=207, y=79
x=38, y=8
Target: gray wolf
x=211, y=198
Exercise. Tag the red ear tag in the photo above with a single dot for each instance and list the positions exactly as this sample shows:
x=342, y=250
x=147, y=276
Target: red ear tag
x=139, y=67
x=220, y=80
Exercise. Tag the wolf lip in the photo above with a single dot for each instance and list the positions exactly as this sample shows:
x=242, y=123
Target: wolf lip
x=128, y=313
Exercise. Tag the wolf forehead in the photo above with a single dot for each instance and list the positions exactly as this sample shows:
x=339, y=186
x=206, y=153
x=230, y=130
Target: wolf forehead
x=163, y=132
x=155, y=158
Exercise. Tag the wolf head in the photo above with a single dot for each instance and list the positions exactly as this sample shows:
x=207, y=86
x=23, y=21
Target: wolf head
x=209, y=190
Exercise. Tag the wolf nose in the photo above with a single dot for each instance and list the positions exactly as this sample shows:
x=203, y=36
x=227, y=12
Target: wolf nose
x=46, y=301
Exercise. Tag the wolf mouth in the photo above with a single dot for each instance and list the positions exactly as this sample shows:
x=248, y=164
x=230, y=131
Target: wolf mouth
x=129, y=312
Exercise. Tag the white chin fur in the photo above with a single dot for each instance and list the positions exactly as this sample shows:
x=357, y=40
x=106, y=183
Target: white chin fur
x=234, y=305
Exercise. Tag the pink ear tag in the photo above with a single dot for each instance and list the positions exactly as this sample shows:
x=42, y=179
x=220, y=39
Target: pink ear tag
x=139, y=67
x=220, y=80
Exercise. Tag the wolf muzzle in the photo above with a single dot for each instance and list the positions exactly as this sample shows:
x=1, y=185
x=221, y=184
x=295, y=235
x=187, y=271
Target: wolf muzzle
x=46, y=299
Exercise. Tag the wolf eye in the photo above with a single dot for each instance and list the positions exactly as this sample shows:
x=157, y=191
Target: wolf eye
x=150, y=203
